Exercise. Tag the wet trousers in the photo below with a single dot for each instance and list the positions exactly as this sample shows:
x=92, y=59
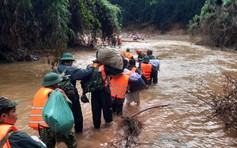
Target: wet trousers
x=154, y=76
x=101, y=101
x=77, y=113
x=117, y=105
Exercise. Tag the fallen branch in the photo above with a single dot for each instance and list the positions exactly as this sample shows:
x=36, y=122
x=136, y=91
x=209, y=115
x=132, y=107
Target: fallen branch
x=130, y=129
x=159, y=106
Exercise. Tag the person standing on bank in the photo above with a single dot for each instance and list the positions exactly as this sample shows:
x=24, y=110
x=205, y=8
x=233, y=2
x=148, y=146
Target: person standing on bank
x=75, y=73
x=101, y=100
x=10, y=135
x=49, y=84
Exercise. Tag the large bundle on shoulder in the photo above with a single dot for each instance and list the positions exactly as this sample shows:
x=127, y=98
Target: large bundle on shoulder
x=155, y=63
x=135, y=81
x=110, y=57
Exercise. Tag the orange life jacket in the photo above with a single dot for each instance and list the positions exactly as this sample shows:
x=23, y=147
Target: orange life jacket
x=39, y=102
x=102, y=70
x=146, y=69
x=128, y=55
x=119, y=85
x=5, y=129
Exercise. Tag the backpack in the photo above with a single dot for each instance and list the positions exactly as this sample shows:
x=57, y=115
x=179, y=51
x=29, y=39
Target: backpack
x=66, y=84
x=135, y=81
x=94, y=82
x=155, y=63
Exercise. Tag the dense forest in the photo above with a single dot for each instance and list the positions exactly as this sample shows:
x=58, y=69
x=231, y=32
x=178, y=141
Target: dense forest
x=28, y=25
x=217, y=23
x=161, y=13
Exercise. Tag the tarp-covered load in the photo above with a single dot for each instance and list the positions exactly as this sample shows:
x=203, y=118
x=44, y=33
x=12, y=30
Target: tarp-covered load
x=57, y=113
x=135, y=81
x=155, y=63
x=110, y=57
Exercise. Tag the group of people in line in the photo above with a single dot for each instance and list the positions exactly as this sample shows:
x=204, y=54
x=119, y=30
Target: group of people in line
x=117, y=90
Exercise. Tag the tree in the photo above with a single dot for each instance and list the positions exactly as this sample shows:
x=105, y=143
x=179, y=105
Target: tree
x=217, y=23
x=36, y=24
x=161, y=13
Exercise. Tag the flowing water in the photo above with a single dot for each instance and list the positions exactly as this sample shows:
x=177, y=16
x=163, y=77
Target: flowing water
x=184, y=123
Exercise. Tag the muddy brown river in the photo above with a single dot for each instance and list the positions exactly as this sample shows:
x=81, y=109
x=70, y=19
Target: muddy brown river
x=183, y=124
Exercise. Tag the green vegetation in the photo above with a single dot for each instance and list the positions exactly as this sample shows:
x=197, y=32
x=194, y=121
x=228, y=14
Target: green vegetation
x=57, y=24
x=43, y=24
x=217, y=23
x=162, y=13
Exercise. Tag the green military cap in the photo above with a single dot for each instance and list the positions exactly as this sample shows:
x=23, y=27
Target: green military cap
x=51, y=78
x=6, y=103
x=67, y=57
x=146, y=59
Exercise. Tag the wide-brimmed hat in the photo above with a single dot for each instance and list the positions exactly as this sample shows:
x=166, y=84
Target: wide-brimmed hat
x=67, y=57
x=51, y=78
x=6, y=103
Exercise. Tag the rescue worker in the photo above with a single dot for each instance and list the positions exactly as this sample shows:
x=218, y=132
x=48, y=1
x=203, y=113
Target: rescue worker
x=118, y=88
x=119, y=41
x=127, y=54
x=133, y=94
x=156, y=66
x=147, y=68
x=75, y=73
x=49, y=84
x=132, y=66
x=114, y=41
x=10, y=135
x=140, y=56
x=101, y=100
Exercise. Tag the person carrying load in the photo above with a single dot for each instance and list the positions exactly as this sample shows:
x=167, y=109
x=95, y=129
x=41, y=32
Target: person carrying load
x=37, y=122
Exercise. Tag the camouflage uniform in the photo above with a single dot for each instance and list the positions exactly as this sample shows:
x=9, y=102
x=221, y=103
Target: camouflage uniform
x=50, y=138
